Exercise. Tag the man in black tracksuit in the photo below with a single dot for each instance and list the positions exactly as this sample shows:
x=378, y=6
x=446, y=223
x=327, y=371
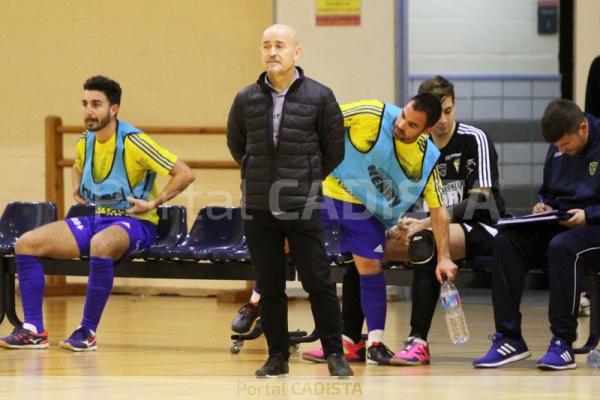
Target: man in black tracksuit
x=286, y=132
x=571, y=183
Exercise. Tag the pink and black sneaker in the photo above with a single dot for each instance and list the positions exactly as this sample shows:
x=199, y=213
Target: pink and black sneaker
x=415, y=352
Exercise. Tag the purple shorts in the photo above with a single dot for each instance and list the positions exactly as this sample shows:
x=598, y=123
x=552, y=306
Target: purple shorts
x=142, y=234
x=361, y=233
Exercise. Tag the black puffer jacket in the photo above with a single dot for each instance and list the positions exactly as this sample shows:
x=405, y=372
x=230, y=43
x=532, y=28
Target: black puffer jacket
x=310, y=143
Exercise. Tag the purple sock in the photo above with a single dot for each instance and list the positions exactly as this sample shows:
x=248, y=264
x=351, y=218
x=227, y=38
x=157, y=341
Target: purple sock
x=100, y=283
x=373, y=300
x=31, y=283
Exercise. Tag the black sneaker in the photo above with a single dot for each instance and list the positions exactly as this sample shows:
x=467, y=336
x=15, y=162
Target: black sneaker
x=338, y=366
x=245, y=318
x=275, y=366
x=378, y=353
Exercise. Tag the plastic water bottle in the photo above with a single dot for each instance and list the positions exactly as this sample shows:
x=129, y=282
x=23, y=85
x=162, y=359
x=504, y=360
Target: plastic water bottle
x=593, y=359
x=455, y=317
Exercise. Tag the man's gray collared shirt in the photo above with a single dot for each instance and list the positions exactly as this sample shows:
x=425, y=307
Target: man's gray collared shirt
x=278, y=99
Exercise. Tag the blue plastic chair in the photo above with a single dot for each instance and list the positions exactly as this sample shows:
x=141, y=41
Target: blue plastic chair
x=238, y=253
x=80, y=210
x=171, y=230
x=332, y=248
x=20, y=217
x=332, y=245
x=217, y=230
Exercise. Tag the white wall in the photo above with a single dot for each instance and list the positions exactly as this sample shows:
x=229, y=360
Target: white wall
x=587, y=43
x=357, y=62
x=479, y=36
x=470, y=37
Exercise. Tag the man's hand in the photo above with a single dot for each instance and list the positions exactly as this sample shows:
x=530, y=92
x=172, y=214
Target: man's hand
x=140, y=206
x=541, y=207
x=406, y=228
x=578, y=218
x=412, y=225
x=395, y=234
x=447, y=268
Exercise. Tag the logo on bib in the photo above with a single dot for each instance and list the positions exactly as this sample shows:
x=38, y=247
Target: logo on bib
x=385, y=185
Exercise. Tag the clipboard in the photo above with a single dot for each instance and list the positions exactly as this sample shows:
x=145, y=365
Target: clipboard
x=548, y=216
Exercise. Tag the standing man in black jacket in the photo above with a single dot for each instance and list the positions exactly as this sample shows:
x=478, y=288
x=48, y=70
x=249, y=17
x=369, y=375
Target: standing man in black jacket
x=286, y=132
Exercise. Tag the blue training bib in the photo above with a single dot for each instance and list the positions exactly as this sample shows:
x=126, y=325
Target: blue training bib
x=376, y=177
x=111, y=193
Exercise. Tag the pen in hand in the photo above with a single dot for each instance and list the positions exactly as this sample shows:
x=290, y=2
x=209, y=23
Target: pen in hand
x=541, y=206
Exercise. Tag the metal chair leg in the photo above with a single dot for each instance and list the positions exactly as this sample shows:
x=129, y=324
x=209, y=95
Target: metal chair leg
x=11, y=295
x=594, y=337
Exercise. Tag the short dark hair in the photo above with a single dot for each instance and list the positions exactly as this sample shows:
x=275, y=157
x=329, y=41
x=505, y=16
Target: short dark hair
x=561, y=117
x=439, y=86
x=430, y=105
x=110, y=88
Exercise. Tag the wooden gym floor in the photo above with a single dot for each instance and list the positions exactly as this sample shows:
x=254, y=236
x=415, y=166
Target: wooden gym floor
x=178, y=348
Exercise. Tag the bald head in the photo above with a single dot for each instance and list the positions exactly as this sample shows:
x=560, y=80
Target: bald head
x=279, y=51
x=283, y=31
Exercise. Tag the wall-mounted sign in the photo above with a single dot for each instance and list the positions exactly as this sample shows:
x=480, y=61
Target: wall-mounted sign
x=337, y=12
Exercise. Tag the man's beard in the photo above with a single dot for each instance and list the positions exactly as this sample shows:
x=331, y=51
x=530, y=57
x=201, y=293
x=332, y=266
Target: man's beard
x=95, y=127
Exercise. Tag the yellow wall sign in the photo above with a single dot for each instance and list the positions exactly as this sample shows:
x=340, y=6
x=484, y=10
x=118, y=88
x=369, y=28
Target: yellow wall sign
x=337, y=12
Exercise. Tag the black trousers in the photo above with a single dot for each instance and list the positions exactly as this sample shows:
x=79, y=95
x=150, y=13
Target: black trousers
x=265, y=235
x=352, y=313
x=565, y=252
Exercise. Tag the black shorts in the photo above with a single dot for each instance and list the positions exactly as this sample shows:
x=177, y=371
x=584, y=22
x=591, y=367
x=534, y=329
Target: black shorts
x=479, y=239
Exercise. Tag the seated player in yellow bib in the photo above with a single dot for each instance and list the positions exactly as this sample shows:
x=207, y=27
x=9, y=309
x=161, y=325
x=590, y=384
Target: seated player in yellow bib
x=115, y=169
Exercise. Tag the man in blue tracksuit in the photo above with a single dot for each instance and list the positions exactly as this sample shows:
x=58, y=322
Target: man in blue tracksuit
x=571, y=183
